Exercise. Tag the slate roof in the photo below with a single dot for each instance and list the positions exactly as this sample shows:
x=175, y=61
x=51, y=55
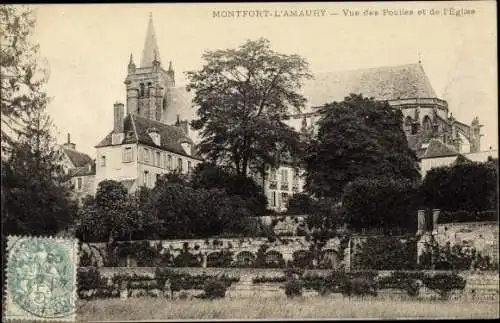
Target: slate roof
x=383, y=83
x=83, y=170
x=439, y=149
x=78, y=159
x=128, y=183
x=136, y=131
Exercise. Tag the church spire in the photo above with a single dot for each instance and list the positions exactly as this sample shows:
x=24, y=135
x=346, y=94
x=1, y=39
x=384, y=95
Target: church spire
x=151, y=51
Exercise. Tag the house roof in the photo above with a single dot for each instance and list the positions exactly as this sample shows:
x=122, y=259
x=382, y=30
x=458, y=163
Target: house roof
x=78, y=159
x=437, y=148
x=382, y=83
x=136, y=131
x=128, y=183
x=83, y=170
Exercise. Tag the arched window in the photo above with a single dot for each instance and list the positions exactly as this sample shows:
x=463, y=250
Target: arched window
x=427, y=124
x=141, y=90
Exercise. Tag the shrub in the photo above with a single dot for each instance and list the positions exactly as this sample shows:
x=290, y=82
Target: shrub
x=293, y=288
x=407, y=281
x=222, y=258
x=263, y=279
x=358, y=286
x=386, y=253
x=444, y=283
x=214, y=289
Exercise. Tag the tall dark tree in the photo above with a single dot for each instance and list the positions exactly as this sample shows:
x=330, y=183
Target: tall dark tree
x=465, y=186
x=111, y=213
x=381, y=202
x=242, y=97
x=358, y=137
x=243, y=190
x=36, y=196
x=22, y=79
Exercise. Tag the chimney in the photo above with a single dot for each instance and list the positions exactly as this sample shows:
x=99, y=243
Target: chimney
x=69, y=144
x=118, y=117
x=184, y=126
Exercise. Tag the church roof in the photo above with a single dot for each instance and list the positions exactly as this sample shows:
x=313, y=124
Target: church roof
x=136, y=131
x=78, y=159
x=151, y=50
x=437, y=148
x=382, y=83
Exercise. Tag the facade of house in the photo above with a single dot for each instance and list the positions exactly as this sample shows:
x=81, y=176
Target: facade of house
x=80, y=168
x=148, y=138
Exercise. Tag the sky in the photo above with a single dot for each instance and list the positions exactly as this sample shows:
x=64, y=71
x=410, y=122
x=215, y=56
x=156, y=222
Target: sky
x=87, y=49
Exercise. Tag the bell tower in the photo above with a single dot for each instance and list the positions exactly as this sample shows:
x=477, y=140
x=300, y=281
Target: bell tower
x=148, y=84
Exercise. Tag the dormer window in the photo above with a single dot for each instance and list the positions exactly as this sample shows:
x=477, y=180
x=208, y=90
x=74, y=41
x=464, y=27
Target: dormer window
x=187, y=147
x=155, y=136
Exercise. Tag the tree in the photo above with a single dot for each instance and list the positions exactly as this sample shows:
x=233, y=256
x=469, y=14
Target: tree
x=36, y=196
x=22, y=80
x=467, y=186
x=243, y=191
x=300, y=204
x=358, y=137
x=111, y=213
x=380, y=202
x=242, y=97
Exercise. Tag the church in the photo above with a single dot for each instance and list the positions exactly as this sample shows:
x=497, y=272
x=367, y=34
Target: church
x=151, y=136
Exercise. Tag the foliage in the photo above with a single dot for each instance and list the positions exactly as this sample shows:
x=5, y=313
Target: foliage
x=444, y=283
x=243, y=97
x=358, y=137
x=180, y=281
x=407, y=281
x=214, y=289
x=111, y=213
x=265, y=279
x=456, y=187
x=293, y=288
x=359, y=286
x=223, y=258
x=380, y=202
x=22, y=82
x=454, y=257
x=386, y=253
x=300, y=204
x=467, y=216
x=36, y=196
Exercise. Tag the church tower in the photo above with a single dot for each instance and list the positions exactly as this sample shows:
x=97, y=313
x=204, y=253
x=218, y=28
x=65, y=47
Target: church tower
x=148, y=84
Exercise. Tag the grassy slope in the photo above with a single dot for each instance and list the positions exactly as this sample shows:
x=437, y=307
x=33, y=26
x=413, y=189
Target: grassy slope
x=266, y=308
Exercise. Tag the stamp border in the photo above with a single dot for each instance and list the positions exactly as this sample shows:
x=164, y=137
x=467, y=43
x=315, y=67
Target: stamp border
x=11, y=239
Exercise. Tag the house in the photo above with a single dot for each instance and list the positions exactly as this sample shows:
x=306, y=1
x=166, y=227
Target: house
x=148, y=138
x=80, y=168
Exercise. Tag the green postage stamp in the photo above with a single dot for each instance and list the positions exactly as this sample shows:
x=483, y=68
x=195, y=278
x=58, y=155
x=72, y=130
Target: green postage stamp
x=41, y=279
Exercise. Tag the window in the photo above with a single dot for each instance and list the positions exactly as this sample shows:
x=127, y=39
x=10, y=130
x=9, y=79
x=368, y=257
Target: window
x=273, y=199
x=79, y=184
x=273, y=175
x=158, y=156
x=284, y=176
x=146, y=155
x=169, y=162
x=179, y=164
x=127, y=155
x=103, y=161
x=284, y=199
x=189, y=166
x=146, y=178
x=157, y=177
x=141, y=91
